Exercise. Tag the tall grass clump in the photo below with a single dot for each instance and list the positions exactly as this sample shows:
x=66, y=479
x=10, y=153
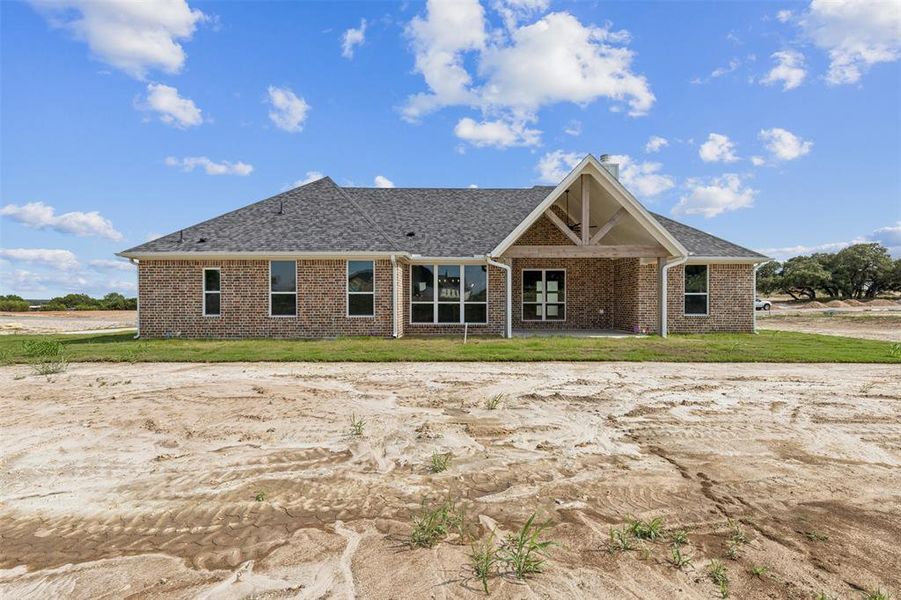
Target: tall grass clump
x=439, y=462
x=433, y=524
x=485, y=557
x=47, y=357
x=524, y=552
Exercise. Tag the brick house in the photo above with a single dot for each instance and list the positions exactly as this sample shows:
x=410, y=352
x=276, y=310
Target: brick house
x=322, y=261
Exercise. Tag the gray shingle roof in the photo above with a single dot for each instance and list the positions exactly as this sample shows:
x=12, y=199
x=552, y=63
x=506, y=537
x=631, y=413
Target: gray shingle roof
x=451, y=222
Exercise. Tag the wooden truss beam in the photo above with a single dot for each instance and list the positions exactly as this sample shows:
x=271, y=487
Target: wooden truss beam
x=582, y=251
x=606, y=227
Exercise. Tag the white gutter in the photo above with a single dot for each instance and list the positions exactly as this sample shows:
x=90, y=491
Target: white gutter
x=662, y=300
x=137, y=295
x=393, y=296
x=509, y=313
x=754, y=291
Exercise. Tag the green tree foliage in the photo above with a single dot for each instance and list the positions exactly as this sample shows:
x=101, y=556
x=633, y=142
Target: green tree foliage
x=858, y=271
x=13, y=303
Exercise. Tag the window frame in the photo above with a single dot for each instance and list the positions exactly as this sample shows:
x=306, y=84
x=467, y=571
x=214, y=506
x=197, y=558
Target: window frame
x=705, y=293
x=543, y=303
x=348, y=293
x=204, y=291
x=294, y=293
x=435, y=302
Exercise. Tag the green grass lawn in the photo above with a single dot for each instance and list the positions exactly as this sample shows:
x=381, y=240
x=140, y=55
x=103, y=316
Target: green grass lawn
x=767, y=346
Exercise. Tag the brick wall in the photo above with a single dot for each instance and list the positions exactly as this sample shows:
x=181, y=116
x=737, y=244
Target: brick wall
x=171, y=297
x=730, y=301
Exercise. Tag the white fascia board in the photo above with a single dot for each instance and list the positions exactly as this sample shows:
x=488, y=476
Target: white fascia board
x=255, y=255
x=418, y=259
x=539, y=210
x=725, y=260
x=619, y=193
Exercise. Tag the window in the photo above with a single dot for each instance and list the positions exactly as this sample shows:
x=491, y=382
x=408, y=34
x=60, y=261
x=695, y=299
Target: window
x=360, y=290
x=696, y=281
x=543, y=295
x=211, y=292
x=283, y=288
x=448, y=294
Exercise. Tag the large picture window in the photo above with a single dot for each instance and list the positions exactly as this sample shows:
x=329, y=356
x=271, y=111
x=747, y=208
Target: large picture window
x=696, y=284
x=360, y=288
x=212, y=292
x=448, y=294
x=543, y=295
x=283, y=288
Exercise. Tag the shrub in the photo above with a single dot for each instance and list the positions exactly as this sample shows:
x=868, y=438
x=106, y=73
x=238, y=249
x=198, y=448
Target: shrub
x=46, y=356
x=13, y=303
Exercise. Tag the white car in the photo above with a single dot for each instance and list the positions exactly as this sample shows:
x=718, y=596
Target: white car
x=762, y=304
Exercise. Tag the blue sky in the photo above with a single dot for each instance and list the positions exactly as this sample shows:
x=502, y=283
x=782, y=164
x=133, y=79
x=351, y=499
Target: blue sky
x=780, y=121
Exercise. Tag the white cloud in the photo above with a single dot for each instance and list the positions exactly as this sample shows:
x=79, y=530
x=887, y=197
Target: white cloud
x=383, y=182
x=62, y=259
x=720, y=71
x=106, y=263
x=655, y=144
x=784, y=16
x=642, y=178
x=714, y=196
x=556, y=165
x=38, y=215
x=783, y=144
x=889, y=236
x=472, y=186
x=855, y=34
x=353, y=38
x=789, y=70
x=514, y=73
x=172, y=108
x=574, y=128
x=189, y=163
x=132, y=36
x=31, y=284
x=514, y=11
x=500, y=134
x=758, y=161
x=311, y=176
x=717, y=148
x=288, y=111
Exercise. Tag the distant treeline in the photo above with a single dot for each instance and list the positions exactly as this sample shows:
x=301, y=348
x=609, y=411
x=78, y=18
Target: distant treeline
x=112, y=301
x=859, y=271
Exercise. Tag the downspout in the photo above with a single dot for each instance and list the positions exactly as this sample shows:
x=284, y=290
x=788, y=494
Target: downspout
x=394, y=296
x=508, y=330
x=662, y=301
x=137, y=295
x=754, y=292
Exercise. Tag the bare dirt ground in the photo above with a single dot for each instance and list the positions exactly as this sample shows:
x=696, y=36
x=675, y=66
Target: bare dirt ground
x=873, y=325
x=140, y=480
x=76, y=321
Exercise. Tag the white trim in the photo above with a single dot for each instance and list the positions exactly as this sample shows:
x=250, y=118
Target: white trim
x=137, y=265
x=204, y=291
x=347, y=292
x=544, y=303
x=619, y=193
x=461, y=302
x=263, y=255
x=724, y=260
x=705, y=293
x=663, y=299
x=296, y=307
x=394, y=303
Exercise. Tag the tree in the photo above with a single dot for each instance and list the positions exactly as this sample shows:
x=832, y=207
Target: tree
x=803, y=276
x=769, y=278
x=114, y=301
x=862, y=270
x=75, y=300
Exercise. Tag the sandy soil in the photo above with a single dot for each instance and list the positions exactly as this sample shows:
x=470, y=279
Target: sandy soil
x=81, y=321
x=884, y=325
x=139, y=480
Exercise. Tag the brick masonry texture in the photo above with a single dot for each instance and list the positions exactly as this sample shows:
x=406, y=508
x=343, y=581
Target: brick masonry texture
x=600, y=294
x=171, y=301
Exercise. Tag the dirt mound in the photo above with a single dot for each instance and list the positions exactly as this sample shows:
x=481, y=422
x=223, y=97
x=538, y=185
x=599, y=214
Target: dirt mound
x=812, y=304
x=882, y=303
x=853, y=302
x=837, y=304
